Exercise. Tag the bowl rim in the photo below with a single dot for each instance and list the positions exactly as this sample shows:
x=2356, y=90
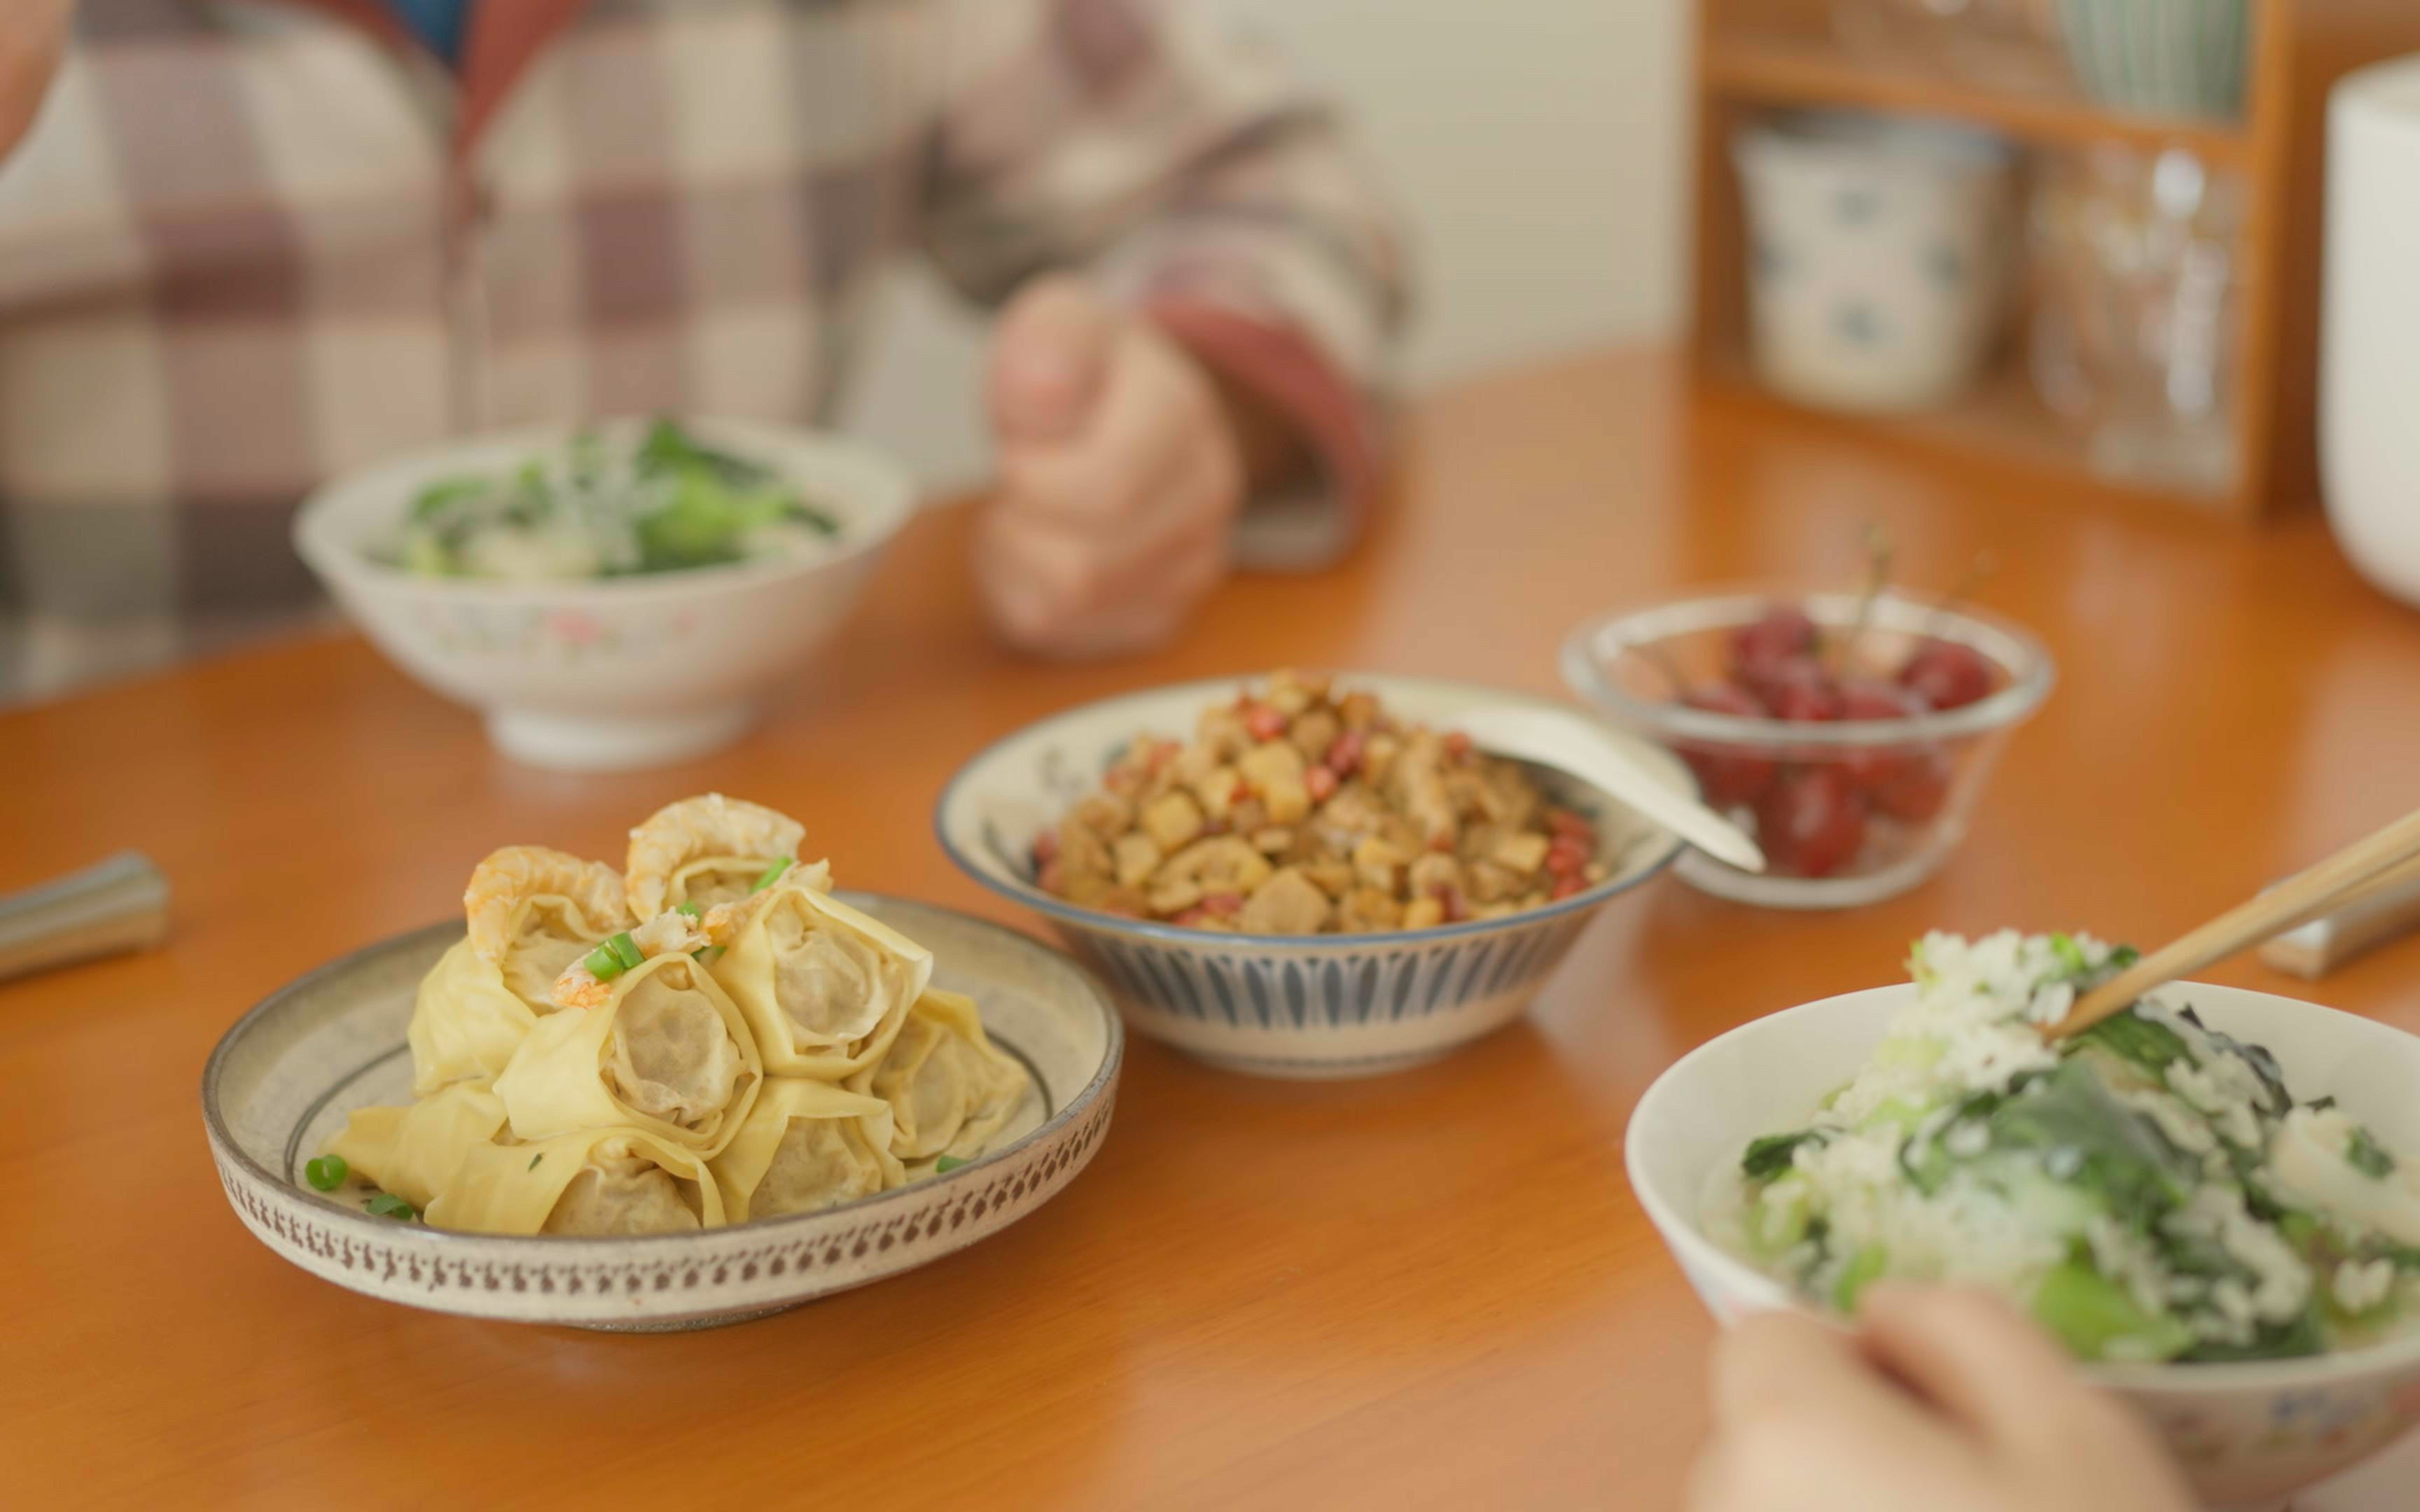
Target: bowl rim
x=1063, y=912
x=1681, y=1230
x=2031, y=669
x=225, y=1146
x=885, y=510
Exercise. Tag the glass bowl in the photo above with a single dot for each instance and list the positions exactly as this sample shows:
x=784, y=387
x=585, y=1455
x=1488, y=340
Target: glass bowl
x=1848, y=811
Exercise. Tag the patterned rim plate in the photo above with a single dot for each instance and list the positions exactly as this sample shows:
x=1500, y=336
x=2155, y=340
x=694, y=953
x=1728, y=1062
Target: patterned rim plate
x=286, y=1075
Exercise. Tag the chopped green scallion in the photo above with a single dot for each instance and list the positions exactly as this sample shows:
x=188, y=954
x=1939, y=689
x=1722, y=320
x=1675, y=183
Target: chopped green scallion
x=327, y=1173
x=387, y=1205
x=772, y=875
x=947, y=1163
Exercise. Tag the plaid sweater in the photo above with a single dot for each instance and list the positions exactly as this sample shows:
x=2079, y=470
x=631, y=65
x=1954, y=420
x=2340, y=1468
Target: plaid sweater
x=246, y=246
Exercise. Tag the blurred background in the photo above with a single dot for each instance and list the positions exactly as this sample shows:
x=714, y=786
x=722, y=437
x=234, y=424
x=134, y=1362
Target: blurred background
x=1555, y=254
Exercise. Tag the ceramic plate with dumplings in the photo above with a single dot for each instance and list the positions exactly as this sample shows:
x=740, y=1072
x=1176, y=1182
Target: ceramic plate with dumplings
x=285, y=1077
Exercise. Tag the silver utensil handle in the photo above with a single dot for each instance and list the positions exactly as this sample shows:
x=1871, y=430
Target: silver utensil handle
x=119, y=906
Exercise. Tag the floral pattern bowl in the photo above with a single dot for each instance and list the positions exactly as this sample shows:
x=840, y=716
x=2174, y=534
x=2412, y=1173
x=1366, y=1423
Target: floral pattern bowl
x=1316, y=1006
x=611, y=674
x=2247, y=1434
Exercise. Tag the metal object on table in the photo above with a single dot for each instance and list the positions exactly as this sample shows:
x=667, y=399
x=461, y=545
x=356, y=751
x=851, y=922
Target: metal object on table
x=119, y=905
x=2358, y=923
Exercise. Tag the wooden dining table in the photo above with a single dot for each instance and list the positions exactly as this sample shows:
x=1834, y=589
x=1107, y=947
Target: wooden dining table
x=1429, y=1290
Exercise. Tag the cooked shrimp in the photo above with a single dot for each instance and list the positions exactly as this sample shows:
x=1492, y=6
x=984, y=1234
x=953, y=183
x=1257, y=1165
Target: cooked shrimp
x=670, y=930
x=508, y=877
x=693, y=828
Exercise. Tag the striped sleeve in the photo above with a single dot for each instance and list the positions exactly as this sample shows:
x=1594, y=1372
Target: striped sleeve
x=1196, y=178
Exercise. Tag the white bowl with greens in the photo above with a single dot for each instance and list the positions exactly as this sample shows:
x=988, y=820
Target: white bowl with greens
x=2239, y=1261
x=620, y=596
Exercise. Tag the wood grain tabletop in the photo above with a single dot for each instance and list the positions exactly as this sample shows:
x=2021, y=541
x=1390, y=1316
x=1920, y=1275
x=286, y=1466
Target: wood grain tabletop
x=1427, y=1290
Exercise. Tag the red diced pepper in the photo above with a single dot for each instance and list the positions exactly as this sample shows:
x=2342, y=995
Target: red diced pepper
x=1457, y=745
x=1265, y=721
x=1049, y=877
x=1222, y=903
x=1450, y=899
x=1345, y=753
x=1046, y=847
x=1565, y=886
x=1241, y=791
x=1564, y=856
x=1191, y=917
x=1564, y=824
x=1322, y=783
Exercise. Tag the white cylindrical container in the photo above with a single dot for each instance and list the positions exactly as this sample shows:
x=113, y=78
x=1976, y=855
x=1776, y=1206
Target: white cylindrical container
x=1879, y=257
x=2369, y=364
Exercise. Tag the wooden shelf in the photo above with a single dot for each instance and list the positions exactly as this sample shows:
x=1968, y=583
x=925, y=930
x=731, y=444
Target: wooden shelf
x=1784, y=69
x=2000, y=417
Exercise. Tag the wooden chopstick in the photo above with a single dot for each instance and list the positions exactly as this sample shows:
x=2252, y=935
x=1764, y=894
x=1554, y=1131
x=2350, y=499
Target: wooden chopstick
x=2282, y=907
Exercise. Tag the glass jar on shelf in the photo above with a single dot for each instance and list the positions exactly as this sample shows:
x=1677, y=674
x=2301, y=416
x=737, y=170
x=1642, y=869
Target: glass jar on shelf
x=2137, y=268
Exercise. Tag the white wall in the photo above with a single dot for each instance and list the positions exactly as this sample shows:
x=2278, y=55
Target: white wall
x=1538, y=145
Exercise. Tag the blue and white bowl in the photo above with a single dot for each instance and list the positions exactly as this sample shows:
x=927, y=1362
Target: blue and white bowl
x=1312, y=1007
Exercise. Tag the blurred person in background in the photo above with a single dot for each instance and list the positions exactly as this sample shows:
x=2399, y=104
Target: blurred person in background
x=247, y=246
x=1940, y=1400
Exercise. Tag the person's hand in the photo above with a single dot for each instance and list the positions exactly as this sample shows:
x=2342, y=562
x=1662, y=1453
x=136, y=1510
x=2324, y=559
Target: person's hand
x=1944, y=1401
x=32, y=37
x=1120, y=475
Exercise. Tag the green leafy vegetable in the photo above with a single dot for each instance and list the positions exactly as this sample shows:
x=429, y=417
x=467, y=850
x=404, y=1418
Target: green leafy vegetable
x=668, y=503
x=327, y=1173
x=2090, y=1312
x=2367, y=1156
x=947, y=1163
x=2106, y=1147
x=2139, y=1041
x=1863, y=1270
x=1770, y=1156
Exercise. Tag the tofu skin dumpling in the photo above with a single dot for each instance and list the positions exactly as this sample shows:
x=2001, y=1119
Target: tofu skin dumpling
x=413, y=1151
x=950, y=1089
x=807, y=1146
x=825, y=986
x=666, y=1052
x=600, y=1182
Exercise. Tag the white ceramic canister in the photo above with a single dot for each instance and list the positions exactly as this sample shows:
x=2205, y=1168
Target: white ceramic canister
x=1880, y=256
x=2369, y=364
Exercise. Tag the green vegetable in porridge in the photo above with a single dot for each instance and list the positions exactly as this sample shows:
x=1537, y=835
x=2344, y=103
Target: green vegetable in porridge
x=668, y=503
x=2148, y=1188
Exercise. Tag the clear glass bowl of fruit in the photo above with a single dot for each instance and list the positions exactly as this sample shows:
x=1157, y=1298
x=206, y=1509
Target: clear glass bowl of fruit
x=1851, y=733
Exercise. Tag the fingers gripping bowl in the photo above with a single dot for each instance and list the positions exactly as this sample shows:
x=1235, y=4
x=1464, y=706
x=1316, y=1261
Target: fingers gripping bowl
x=1304, y=1004
x=2244, y=1429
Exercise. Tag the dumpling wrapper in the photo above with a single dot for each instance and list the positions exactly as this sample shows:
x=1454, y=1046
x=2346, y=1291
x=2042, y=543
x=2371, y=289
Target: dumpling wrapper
x=949, y=1087
x=667, y=1054
x=710, y=881
x=825, y=986
x=597, y=1181
x=472, y=1014
x=413, y=1151
x=806, y=1145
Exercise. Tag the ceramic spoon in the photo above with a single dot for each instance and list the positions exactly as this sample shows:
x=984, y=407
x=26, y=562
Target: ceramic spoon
x=1576, y=746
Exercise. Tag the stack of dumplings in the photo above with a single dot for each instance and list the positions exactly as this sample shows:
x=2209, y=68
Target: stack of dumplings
x=705, y=1038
